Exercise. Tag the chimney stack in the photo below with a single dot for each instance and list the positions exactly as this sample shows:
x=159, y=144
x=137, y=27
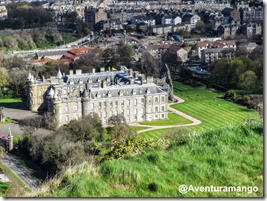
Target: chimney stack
x=149, y=79
x=103, y=84
x=93, y=70
x=78, y=71
x=71, y=72
x=102, y=69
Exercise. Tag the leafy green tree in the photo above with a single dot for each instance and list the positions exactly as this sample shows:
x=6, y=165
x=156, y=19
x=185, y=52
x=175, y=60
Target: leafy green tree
x=248, y=80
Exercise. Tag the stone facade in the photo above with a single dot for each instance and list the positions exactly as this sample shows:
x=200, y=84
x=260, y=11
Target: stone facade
x=105, y=93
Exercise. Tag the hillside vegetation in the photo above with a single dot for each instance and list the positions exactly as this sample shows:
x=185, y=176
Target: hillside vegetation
x=232, y=156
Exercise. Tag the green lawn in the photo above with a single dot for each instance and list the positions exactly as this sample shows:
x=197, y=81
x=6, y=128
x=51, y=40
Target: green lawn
x=11, y=100
x=173, y=119
x=7, y=121
x=208, y=106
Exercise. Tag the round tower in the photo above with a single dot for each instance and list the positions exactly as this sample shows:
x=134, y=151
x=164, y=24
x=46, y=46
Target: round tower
x=85, y=103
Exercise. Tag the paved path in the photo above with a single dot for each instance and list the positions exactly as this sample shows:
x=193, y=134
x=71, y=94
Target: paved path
x=21, y=172
x=179, y=100
x=15, y=114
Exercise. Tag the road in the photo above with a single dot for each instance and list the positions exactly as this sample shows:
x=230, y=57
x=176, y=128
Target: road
x=151, y=128
x=21, y=172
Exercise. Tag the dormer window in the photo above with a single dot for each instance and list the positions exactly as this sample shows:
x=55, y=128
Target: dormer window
x=148, y=91
x=108, y=79
x=120, y=93
x=109, y=94
x=98, y=95
x=89, y=80
x=98, y=80
x=133, y=92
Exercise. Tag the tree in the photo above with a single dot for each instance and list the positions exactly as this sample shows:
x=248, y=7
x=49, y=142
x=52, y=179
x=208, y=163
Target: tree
x=126, y=52
x=121, y=132
x=4, y=77
x=117, y=120
x=87, y=129
x=248, y=80
x=17, y=82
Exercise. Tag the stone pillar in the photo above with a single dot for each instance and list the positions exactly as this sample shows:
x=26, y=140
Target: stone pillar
x=10, y=141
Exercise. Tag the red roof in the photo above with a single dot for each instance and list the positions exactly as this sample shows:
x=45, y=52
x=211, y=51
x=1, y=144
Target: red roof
x=69, y=55
x=80, y=50
x=44, y=60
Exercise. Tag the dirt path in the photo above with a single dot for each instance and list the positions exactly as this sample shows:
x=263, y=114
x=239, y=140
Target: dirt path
x=179, y=100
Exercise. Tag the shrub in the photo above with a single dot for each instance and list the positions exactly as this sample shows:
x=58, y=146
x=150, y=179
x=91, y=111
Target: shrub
x=130, y=148
x=153, y=187
x=178, y=137
x=231, y=95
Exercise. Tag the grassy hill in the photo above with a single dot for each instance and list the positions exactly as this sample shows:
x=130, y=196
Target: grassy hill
x=231, y=156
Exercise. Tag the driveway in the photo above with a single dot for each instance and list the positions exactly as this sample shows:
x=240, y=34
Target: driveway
x=15, y=114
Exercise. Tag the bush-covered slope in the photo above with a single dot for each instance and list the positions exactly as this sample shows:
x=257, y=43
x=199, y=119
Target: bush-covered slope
x=225, y=157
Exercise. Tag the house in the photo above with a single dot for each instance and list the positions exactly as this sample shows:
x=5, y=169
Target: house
x=203, y=45
x=75, y=53
x=230, y=12
x=3, y=12
x=157, y=50
x=171, y=19
x=149, y=21
x=247, y=47
x=161, y=29
x=190, y=18
x=252, y=29
x=251, y=14
x=213, y=54
x=94, y=15
x=227, y=30
x=109, y=24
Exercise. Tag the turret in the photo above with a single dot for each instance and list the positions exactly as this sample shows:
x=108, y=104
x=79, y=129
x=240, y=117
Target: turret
x=85, y=102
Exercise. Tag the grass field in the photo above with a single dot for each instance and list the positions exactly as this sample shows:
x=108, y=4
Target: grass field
x=231, y=156
x=173, y=119
x=7, y=121
x=207, y=106
x=3, y=187
x=11, y=100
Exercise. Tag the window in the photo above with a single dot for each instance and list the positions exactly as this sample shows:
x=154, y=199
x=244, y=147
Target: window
x=66, y=109
x=162, y=108
x=67, y=118
x=116, y=103
x=149, y=101
x=128, y=102
x=99, y=114
x=128, y=112
x=105, y=104
x=77, y=116
x=104, y=114
x=135, y=111
x=156, y=109
x=122, y=103
x=162, y=99
x=162, y=116
x=156, y=100
x=92, y=106
x=99, y=105
x=111, y=103
x=142, y=100
x=135, y=102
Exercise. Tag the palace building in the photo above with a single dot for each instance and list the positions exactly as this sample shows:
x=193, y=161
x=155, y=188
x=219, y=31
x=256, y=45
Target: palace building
x=105, y=93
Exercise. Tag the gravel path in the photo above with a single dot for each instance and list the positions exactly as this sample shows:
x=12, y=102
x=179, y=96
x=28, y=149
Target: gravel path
x=15, y=114
x=179, y=100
